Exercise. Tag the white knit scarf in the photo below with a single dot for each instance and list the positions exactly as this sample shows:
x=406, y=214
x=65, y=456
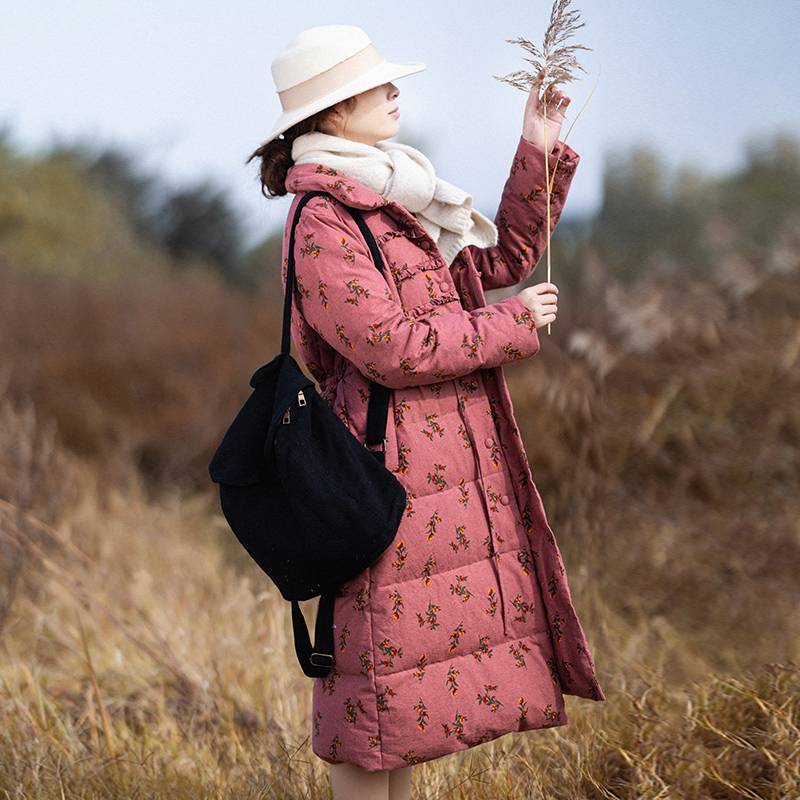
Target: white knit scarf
x=401, y=174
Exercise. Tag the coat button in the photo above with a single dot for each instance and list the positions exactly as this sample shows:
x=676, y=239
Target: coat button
x=505, y=499
x=426, y=245
x=445, y=287
x=489, y=441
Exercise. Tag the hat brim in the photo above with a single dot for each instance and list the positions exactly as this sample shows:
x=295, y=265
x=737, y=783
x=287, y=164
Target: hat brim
x=377, y=76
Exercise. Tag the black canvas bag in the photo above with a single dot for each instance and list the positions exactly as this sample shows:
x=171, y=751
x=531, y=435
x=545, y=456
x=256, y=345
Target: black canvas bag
x=311, y=505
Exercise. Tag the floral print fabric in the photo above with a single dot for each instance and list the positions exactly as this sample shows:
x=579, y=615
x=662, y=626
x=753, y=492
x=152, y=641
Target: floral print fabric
x=463, y=630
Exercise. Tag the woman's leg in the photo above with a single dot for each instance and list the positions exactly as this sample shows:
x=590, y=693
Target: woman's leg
x=353, y=783
x=400, y=784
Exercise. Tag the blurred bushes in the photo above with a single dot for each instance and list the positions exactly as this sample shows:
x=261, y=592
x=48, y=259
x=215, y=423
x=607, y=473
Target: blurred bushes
x=661, y=423
x=199, y=222
x=54, y=221
x=651, y=219
x=134, y=374
x=646, y=216
x=76, y=211
x=661, y=417
x=763, y=200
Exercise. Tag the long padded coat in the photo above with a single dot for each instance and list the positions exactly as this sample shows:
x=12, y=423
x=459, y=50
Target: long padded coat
x=463, y=630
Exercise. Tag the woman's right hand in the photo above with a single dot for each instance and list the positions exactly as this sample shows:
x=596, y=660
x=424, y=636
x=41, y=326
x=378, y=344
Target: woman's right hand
x=542, y=302
x=543, y=117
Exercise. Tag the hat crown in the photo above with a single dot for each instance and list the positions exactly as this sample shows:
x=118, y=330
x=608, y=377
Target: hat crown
x=323, y=66
x=315, y=51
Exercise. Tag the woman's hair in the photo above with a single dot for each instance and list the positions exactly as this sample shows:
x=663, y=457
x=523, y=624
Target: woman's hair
x=276, y=156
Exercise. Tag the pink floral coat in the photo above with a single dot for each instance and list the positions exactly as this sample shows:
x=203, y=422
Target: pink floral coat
x=463, y=630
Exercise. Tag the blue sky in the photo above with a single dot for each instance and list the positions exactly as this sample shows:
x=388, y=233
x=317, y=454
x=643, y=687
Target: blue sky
x=186, y=85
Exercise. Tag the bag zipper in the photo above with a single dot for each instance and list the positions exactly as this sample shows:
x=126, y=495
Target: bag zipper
x=287, y=415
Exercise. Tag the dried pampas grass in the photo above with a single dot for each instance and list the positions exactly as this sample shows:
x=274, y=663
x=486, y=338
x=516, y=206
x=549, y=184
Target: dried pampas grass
x=556, y=62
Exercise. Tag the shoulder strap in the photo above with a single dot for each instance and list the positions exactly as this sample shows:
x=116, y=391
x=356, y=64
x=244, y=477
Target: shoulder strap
x=380, y=395
x=286, y=342
x=317, y=659
x=290, y=267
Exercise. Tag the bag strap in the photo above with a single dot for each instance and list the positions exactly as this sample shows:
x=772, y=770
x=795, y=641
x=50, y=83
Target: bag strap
x=317, y=660
x=286, y=342
x=379, y=395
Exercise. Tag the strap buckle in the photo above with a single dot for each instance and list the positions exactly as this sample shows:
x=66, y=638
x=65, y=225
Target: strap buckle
x=321, y=660
x=380, y=447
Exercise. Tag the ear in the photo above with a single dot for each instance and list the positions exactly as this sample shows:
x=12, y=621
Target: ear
x=332, y=123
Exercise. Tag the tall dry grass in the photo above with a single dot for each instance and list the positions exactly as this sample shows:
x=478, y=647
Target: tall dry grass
x=152, y=663
x=139, y=373
x=143, y=656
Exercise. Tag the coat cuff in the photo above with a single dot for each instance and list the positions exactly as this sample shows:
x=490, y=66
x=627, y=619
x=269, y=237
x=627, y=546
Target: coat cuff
x=563, y=158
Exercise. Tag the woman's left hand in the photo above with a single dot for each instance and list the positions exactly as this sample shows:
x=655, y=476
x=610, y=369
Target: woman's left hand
x=540, y=112
x=541, y=300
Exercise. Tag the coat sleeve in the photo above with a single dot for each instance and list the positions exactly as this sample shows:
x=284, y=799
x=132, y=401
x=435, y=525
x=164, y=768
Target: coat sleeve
x=522, y=217
x=342, y=298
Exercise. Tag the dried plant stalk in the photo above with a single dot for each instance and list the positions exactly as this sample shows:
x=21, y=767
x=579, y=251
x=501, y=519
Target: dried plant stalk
x=554, y=64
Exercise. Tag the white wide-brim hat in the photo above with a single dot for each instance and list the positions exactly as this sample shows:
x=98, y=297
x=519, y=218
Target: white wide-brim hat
x=323, y=66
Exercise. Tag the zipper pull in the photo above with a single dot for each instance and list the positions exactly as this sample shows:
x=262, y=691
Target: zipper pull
x=301, y=401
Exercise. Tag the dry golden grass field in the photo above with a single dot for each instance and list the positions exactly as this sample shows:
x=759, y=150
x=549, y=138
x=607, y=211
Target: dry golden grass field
x=143, y=656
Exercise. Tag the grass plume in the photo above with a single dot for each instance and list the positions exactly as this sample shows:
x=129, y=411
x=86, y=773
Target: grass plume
x=557, y=61
x=554, y=64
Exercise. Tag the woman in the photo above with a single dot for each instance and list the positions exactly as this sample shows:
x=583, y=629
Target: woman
x=463, y=630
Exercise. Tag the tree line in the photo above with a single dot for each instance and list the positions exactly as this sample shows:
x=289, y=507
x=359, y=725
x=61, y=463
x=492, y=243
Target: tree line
x=651, y=216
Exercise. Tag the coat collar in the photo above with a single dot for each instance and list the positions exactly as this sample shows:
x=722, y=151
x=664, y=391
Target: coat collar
x=318, y=178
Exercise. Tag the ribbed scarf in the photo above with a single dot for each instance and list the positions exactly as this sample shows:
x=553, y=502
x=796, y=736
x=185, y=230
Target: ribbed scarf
x=403, y=175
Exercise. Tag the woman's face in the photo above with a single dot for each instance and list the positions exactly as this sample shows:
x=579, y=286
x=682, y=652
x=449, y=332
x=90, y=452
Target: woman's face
x=372, y=119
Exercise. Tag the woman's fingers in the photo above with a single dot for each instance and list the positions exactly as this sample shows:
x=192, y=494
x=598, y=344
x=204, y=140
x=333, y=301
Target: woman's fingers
x=563, y=103
x=541, y=300
x=556, y=100
x=546, y=319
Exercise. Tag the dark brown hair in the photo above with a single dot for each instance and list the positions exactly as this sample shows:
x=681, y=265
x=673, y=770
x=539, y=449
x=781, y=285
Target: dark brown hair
x=276, y=156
